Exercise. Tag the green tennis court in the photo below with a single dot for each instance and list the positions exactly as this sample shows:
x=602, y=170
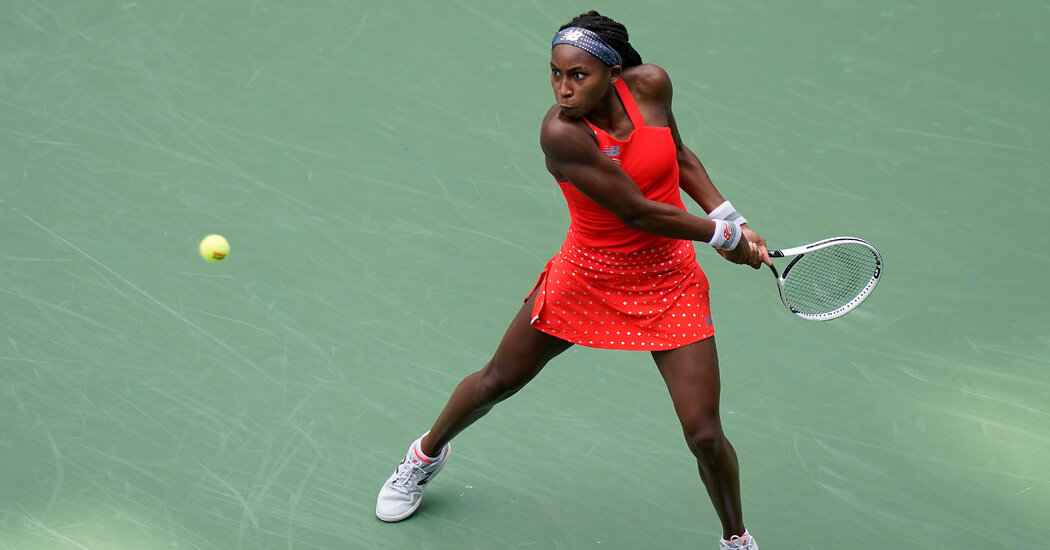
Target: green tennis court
x=376, y=169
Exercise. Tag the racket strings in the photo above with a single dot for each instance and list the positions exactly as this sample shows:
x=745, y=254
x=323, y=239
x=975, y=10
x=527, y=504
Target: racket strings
x=825, y=280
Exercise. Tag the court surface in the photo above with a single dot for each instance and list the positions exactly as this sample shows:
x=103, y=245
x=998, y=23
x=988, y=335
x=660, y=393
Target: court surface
x=376, y=168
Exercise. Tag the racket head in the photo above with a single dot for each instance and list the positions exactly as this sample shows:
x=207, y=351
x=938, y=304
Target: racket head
x=829, y=278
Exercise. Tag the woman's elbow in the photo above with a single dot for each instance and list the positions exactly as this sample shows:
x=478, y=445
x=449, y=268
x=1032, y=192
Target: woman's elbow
x=639, y=214
x=639, y=220
x=651, y=217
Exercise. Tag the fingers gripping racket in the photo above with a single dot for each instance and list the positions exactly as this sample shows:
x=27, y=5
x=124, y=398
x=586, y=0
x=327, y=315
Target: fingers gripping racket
x=828, y=278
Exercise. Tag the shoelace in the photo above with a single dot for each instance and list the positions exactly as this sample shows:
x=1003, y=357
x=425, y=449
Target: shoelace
x=407, y=474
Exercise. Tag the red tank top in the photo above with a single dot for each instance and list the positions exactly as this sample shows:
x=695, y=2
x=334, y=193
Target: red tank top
x=649, y=157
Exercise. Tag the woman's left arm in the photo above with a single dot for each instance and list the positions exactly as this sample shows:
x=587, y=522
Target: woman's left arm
x=693, y=179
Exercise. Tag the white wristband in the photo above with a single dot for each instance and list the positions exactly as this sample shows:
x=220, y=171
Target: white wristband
x=725, y=211
x=727, y=235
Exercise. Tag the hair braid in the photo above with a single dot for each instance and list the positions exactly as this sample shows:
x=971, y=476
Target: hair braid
x=613, y=33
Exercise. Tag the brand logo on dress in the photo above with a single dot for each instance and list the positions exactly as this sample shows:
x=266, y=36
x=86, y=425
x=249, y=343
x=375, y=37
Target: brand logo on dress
x=612, y=151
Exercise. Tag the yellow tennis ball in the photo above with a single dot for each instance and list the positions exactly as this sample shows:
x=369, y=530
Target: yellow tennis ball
x=214, y=248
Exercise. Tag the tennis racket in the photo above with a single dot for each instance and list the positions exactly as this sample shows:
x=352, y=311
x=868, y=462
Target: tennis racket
x=828, y=278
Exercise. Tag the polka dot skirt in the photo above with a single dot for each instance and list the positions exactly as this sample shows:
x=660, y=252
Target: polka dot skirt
x=646, y=300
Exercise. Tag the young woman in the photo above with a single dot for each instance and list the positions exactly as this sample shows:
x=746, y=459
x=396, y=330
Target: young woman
x=626, y=276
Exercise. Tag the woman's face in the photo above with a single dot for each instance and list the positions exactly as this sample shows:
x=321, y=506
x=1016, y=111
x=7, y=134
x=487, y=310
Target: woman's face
x=579, y=79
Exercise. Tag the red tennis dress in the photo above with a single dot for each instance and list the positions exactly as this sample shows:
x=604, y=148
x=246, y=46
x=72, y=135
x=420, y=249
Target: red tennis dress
x=614, y=287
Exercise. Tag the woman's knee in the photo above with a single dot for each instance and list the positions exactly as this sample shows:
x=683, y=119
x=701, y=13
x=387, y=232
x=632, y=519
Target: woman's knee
x=705, y=437
x=496, y=382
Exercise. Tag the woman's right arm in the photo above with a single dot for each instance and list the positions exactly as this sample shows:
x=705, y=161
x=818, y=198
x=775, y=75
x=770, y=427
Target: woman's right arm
x=572, y=155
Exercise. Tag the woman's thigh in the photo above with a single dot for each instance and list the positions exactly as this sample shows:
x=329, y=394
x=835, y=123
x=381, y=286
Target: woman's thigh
x=523, y=351
x=691, y=375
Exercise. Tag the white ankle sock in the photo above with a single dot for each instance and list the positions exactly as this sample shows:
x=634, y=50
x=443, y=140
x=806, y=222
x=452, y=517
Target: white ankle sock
x=418, y=448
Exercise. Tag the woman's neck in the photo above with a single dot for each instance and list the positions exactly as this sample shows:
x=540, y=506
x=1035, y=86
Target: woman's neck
x=612, y=116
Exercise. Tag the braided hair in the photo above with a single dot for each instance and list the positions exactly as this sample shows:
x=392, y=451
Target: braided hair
x=612, y=33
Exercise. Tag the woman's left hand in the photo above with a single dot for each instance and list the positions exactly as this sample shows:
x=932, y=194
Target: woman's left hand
x=757, y=240
x=760, y=254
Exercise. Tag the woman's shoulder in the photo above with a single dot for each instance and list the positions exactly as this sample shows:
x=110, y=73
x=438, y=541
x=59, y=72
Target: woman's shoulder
x=648, y=81
x=559, y=132
x=557, y=127
x=647, y=73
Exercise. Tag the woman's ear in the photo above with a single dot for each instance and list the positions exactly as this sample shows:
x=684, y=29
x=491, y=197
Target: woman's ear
x=614, y=73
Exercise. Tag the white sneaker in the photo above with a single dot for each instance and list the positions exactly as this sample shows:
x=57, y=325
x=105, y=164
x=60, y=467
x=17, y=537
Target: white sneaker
x=402, y=493
x=739, y=542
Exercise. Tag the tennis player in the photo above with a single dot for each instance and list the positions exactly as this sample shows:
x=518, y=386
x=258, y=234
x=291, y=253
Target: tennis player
x=626, y=276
